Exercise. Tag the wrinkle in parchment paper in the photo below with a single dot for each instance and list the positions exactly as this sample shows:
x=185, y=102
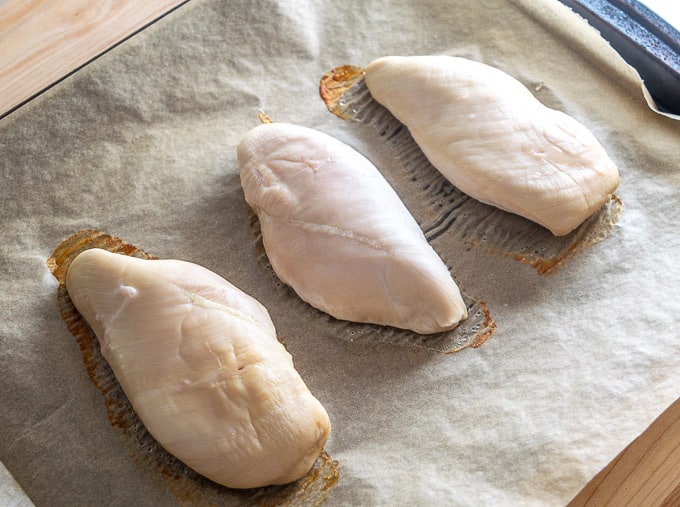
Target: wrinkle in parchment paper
x=142, y=142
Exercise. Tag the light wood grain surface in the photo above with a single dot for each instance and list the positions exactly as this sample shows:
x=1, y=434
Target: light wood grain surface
x=647, y=472
x=41, y=41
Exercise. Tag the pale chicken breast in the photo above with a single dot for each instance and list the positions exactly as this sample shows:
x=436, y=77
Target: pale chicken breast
x=339, y=235
x=200, y=363
x=488, y=135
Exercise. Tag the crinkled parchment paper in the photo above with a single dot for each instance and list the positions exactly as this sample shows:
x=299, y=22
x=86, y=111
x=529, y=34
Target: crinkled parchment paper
x=141, y=144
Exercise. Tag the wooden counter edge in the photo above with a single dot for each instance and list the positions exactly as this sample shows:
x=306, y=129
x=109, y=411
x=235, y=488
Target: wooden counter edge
x=44, y=41
x=646, y=473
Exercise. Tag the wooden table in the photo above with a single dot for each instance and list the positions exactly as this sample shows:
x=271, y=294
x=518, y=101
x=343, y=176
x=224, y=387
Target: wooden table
x=43, y=41
x=647, y=472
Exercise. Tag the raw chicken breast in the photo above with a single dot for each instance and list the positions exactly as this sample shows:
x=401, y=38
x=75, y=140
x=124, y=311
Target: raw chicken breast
x=201, y=365
x=488, y=135
x=336, y=231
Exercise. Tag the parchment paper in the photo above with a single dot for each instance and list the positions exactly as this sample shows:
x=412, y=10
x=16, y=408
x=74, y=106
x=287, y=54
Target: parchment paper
x=141, y=144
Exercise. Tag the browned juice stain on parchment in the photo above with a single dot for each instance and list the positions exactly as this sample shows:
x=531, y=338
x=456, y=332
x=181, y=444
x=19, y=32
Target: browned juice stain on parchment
x=189, y=487
x=335, y=83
